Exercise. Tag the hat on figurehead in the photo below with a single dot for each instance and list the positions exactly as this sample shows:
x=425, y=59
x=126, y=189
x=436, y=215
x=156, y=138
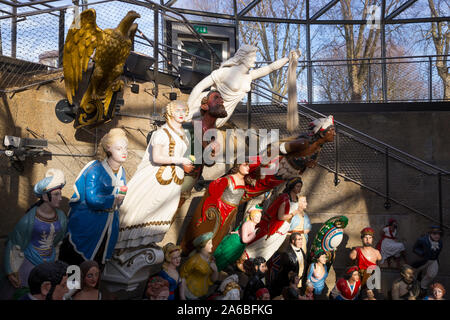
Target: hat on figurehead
x=54, y=179
x=321, y=124
x=367, y=231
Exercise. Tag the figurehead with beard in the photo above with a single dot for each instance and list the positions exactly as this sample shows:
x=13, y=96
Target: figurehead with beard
x=366, y=257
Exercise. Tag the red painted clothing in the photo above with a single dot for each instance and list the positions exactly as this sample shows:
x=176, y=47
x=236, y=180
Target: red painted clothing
x=361, y=261
x=262, y=185
x=216, y=190
x=345, y=291
x=269, y=222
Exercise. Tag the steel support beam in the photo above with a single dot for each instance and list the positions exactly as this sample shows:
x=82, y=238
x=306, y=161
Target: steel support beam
x=250, y=6
x=308, y=56
x=170, y=3
x=236, y=27
x=383, y=51
x=400, y=9
x=327, y=7
x=62, y=23
x=14, y=32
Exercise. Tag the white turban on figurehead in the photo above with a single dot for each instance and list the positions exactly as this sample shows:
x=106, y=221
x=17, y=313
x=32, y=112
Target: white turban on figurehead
x=321, y=124
x=226, y=281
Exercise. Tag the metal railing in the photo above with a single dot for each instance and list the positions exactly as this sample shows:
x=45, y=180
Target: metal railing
x=409, y=79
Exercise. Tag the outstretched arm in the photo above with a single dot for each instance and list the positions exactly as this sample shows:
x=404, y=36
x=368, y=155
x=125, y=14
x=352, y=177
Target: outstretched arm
x=198, y=89
x=353, y=254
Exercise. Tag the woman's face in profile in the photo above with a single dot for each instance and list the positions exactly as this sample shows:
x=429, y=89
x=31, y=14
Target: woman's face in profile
x=250, y=60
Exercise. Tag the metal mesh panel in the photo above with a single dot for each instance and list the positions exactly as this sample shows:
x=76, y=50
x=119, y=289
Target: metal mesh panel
x=361, y=162
x=34, y=56
x=436, y=81
x=414, y=188
x=373, y=86
x=446, y=199
x=330, y=83
x=111, y=13
x=407, y=81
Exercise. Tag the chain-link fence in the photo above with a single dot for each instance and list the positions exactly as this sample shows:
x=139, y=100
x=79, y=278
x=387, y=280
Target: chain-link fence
x=28, y=47
x=407, y=79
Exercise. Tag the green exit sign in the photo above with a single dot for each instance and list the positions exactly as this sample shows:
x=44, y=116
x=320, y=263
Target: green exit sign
x=201, y=29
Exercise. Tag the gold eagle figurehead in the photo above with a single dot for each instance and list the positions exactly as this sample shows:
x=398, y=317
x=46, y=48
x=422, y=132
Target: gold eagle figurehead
x=112, y=48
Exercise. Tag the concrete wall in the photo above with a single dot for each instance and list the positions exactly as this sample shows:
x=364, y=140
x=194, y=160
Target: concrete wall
x=421, y=134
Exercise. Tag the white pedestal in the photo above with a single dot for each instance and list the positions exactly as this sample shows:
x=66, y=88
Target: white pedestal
x=131, y=269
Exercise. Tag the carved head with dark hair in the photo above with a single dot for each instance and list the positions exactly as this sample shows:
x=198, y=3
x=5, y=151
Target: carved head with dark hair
x=49, y=280
x=367, y=236
x=213, y=104
x=294, y=184
x=352, y=272
x=157, y=288
x=407, y=273
x=259, y=263
x=90, y=274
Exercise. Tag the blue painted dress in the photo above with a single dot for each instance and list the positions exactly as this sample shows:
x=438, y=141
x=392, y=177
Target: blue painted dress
x=318, y=284
x=173, y=284
x=295, y=222
x=34, y=240
x=92, y=216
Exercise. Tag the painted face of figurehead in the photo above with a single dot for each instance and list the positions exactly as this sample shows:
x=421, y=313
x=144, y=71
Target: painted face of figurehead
x=119, y=150
x=179, y=113
x=244, y=168
x=322, y=259
x=355, y=276
x=175, y=258
x=298, y=188
x=162, y=295
x=297, y=241
x=208, y=247
x=367, y=240
x=438, y=293
x=55, y=198
x=263, y=267
x=92, y=276
x=408, y=275
x=233, y=294
x=302, y=203
x=255, y=215
x=435, y=236
x=329, y=134
x=250, y=60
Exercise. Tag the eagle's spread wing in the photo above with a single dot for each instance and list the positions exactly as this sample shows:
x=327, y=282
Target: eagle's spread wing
x=79, y=46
